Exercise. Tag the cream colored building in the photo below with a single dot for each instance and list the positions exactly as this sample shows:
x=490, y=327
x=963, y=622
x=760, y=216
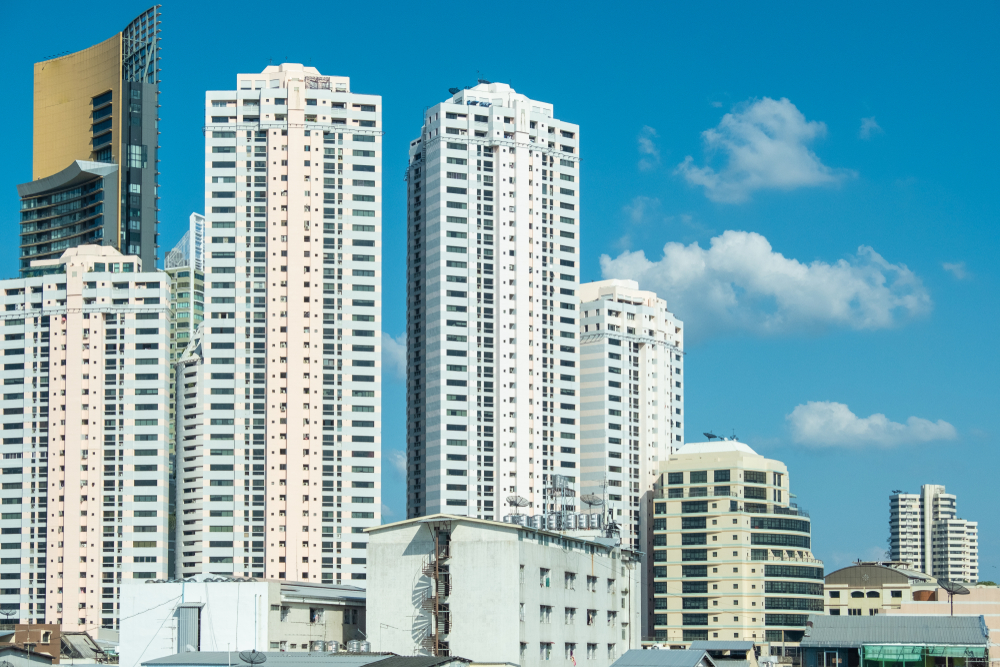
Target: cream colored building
x=866, y=589
x=279, y=435
x=85, y=478
x=732, y=556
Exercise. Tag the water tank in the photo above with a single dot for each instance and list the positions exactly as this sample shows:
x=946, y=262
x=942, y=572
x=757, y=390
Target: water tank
x=570, y=522
x=538, y=521
x=510, y=518
x=583, y=521
x=354, y=646
x=333, y=647
x=551, y=522
x=521, y=519
x=366, y=647
x=596, y=520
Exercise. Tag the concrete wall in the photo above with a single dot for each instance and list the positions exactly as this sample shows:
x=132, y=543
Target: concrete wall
x=495, y=610
x=150, y=617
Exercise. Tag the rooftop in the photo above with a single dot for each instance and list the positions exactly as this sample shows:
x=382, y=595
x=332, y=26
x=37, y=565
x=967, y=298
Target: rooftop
x=304, y=659
x=857, y=631
x=715, y=447
x=664, y=658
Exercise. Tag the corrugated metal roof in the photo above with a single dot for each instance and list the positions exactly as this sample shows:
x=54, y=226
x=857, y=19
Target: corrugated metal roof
x=718, y=645
x=663, y=658
x=853, y=631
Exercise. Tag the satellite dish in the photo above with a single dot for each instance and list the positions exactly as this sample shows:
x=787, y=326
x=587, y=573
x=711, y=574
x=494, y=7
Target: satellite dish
x=953, y=588
x=710, y=436
x=453, y=90
x=517, y=501
x=253, y=657
x=592, y=500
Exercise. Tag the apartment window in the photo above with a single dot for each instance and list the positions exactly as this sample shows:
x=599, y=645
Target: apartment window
x=570, y=651
x=524, y=650
x=520, y=575
x=591, y=616
x=545, y=651
x=592, y=583
x=521, y=612
x=853, y=612
x=611, y=585
x=543, y=577
x=284, y=613
x=569, y=580
x=591, y=651
x=315, y=615
x=612, y=618
x=545, y=614
x=612, y=652
x=570, y=616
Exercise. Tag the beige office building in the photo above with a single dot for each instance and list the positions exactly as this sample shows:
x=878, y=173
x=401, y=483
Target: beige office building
x=732, y=555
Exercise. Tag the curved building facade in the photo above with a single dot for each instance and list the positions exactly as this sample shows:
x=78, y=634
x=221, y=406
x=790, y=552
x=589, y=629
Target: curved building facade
x=732, y=556
x=100, y=105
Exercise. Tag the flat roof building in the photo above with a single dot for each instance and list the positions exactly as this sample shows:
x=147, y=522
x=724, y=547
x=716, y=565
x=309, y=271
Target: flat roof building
x=208, y=613
x=500, y=593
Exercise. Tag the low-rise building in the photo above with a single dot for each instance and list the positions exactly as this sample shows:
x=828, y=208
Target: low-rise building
x=981, y=601
x=883, y=640
x=206, y=613
x=654, y=658
x=866, y=589
x=501, y=592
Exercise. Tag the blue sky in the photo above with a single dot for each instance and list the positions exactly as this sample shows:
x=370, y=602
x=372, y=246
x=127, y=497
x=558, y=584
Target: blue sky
x=834, y=232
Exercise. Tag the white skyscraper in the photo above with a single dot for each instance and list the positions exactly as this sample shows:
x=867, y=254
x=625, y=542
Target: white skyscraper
x=926, y=532
x=632, y=397
x=278, y=450
x=85, y=409
x=492, y=311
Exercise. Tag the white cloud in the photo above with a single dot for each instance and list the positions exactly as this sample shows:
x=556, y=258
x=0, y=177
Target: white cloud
x=387, y=511
x=869, y=127
x=641, y=207
x=825, y=424
x=397, y=460
x=394, y=355
x=648, y=149
x=956, y=269
x=765, y=145
x=739, y=282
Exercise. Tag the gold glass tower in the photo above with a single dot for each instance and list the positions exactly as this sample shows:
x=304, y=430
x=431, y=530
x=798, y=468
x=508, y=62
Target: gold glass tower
x=94, y=108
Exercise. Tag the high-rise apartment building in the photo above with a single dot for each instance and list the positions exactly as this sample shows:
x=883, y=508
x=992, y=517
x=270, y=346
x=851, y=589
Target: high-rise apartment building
x=631, y=398
x=925, y=531
x=492, y=310
x=84, y=490
x=185, y=264
x=731, y=555
x=631, y=404
x=279, y=417
x=95, y=148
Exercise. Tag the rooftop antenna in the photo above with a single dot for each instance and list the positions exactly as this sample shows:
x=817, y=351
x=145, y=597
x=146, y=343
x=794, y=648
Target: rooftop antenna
x=253, y=657
x=517, y=501
x=710, y=436
x=953, y=588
